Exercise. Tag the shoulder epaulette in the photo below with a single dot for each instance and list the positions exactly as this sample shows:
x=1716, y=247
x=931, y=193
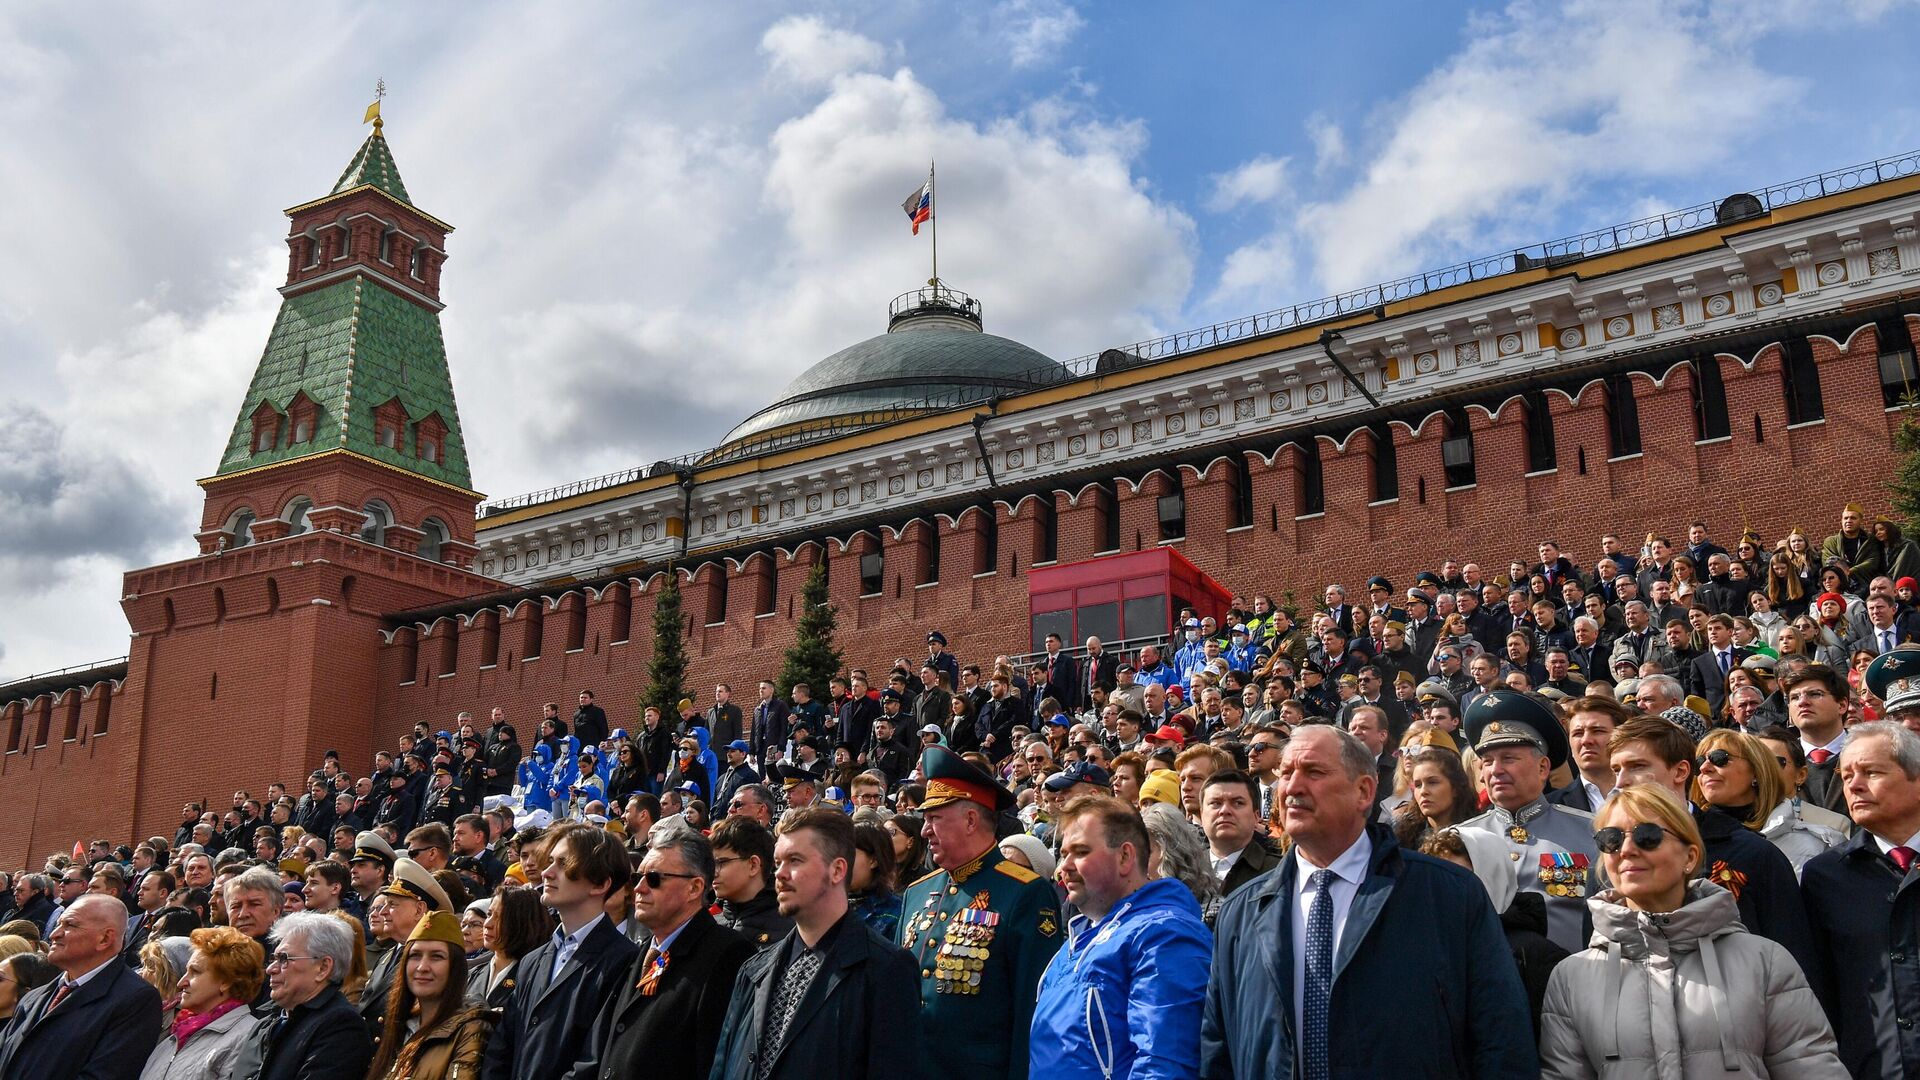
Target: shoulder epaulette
x=1015, y=871
x=929, y=877
x=1583, y=815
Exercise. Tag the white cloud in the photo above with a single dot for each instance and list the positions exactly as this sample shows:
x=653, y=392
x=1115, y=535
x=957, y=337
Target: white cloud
x=1034, y=31
x=805, y=50
x=1262, y=180
x=1329, y=144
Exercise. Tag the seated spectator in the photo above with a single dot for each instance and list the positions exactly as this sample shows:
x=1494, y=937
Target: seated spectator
x=431, y=1032
x=312, y=1033
x=22, y=973
x=743, y=880
x=1523, y=915
x=107, y=1020
x=222, y=975
x=517, y=924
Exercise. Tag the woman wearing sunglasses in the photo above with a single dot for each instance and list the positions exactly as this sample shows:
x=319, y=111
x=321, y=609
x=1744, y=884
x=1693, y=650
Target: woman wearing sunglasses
x=1735, y=772
x=1672, y=978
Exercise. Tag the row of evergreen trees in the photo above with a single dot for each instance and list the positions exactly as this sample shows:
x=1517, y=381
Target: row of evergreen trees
x=813, y=659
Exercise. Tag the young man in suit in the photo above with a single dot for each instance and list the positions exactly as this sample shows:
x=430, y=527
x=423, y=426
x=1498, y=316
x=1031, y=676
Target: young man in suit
x=664, y=1017
x=98, y=1018
x=547, y=1024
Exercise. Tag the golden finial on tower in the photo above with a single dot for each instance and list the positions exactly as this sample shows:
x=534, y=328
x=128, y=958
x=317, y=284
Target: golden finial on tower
x=373, y=110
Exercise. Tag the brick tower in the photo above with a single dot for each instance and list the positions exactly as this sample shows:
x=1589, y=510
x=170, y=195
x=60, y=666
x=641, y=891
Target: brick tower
x=342, y=494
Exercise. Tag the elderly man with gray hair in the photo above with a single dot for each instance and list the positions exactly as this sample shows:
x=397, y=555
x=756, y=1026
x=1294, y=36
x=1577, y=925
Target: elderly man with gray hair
x=312, y=1032
x=99, y=1018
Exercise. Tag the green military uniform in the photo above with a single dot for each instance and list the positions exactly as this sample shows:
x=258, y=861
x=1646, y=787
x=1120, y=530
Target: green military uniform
x=1894, y=678
x=982, y=935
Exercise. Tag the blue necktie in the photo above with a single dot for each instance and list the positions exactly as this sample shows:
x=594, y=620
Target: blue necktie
x=1319, y=982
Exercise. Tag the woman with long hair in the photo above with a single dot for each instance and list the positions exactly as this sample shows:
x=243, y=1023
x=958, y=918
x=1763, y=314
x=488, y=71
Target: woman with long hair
x=223, y=972
x=1176, y=850
x=872, y=887
x=1439, y=796
x=1899, y=556
x=517, y=924
x=960, y=720
x=431, y=1033
x=1738, y=774
x=20, y=974
x=910, y=858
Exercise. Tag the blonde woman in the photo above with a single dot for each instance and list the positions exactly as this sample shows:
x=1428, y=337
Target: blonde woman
x=1739, y=775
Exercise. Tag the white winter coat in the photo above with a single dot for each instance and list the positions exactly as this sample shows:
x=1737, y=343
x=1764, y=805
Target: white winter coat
x=209, y=1052
x=1797, y=839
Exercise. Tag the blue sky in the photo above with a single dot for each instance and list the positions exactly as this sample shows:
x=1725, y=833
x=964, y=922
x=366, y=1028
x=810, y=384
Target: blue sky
x=644, y=190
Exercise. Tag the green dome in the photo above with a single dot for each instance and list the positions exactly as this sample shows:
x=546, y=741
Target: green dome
x=933, y=358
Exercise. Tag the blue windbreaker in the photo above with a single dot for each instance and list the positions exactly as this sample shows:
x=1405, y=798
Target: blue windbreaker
x=1123, y=997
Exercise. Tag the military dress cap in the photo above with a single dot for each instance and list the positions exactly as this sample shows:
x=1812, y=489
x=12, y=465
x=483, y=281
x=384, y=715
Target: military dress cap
x=796, y=774
x=1434, y=690
x=1763, y=665
x=1379, y=582
x=1511, y=718
x=1415, y=596
x=440, y=925
x=1894, y=678
x=952, y=778
x=1080, y=772
x=895, y=696
x=936, y=637
x=1626, y=690
x=370, y=846
x=411, y=881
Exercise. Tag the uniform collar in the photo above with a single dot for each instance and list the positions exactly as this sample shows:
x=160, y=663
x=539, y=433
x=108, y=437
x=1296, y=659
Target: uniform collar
x=1523, y=815
x=986, y=859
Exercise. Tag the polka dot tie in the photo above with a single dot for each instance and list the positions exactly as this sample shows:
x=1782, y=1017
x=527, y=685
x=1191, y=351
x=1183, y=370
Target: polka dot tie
x=1319, y=982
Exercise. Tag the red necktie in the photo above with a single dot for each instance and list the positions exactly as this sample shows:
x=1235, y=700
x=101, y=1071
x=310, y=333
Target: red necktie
x=1820, y=756
x=1902, y=857
x=60, y=995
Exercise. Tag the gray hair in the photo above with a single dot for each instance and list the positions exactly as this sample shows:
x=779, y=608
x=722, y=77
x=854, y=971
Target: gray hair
x=40, y=883
x=1902, y=743
x=1664, y=685
x=260, y=880
x=322, y=936
x=1183, y=852
x=1355, y=759
x=694, y=850
x=761, y=793
x=1631, y=604
x=1588, y=622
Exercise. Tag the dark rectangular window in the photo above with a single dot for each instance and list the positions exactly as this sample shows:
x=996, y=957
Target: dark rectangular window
x=1456, y=451
x=1386, y=464
x=1623, y=417
x=1172, y=510
x=1109, y=516
x=1313, y=479
x=1051, y=622
x=1709, y=399
x=873, y=568
x=1538, y=419
x=930, y=573
x=1899, y=376
x=1143, y=616
x=987, y=555
x=1047, y=542
x=1801, y=377
x=1242, y=494
x=1099, y=620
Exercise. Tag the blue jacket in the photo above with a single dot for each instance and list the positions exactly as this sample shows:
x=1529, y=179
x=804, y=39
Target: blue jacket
x=1124, y=997
x=1415, y=988
x=536, y=774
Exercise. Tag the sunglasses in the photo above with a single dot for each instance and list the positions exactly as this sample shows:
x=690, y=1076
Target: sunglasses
x=1262, y=747
x=653, y=878
x=1647, y=836
x=1716, y=758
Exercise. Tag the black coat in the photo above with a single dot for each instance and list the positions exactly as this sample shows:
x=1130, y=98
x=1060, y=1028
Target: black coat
x=769, y=728
x=758, y=920
x=1768, y=893
x=1063, y=682
x=590, y=725
x=504, y=759
x=323, y=1040
x=856, y=722
x=859, y=1018
x=1534, y=953
x=1704, y=677
x=102, y=1031
x=547, y=1024
x=676, y=1030
x=1866, y=929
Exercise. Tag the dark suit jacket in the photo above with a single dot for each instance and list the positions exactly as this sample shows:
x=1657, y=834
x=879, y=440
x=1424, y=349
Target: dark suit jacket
x=1573, y=796
x=1823, y=786
x=1866, y=929
x=1255, y=859
x=102, y=1031
x=323, y=1040
x=1063, y=682
x=858, y=1020
x=373, y=996
x=675, y=1031
x=548, y=1022
x=1097, y=670
x=1706, y=680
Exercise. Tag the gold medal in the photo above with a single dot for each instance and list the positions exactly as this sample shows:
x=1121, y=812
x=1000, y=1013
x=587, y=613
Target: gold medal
x=1517, y=834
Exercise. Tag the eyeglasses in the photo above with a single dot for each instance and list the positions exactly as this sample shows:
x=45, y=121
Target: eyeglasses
x=653, y=878
x=1262, y=747
x=1036, y=760
x=728, y=861
x=1647, y=836
x=1716, y=758
x=280, y=959
x=416, y=852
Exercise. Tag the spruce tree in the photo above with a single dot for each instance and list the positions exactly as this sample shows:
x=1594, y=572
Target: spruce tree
x=1905, y=484
x=813, y=659
x=667, y=671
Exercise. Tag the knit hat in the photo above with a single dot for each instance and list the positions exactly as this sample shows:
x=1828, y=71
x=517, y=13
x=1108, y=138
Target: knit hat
x=1161, y=786
x=1035, y=851
x=1686, y=720
x=440, y=925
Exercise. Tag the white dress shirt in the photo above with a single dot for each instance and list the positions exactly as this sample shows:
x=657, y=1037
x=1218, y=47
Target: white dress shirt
x=1350, y=870
x=565, y=944
x=1224, y=863
x=1886, y=847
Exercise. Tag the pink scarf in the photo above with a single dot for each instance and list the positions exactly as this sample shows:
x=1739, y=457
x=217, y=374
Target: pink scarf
x=186, y=1024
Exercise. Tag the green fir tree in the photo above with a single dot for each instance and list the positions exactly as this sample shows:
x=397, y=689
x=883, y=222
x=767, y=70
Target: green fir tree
x=667, y=671
x=813, y=659
x=1905, y=484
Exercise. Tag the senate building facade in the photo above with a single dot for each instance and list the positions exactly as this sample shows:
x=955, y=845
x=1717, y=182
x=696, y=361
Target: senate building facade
x=1741, y=361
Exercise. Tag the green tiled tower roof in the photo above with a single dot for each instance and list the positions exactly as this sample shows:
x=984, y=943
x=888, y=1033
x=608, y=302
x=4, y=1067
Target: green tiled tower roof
x=373, y=165
x=352, y=347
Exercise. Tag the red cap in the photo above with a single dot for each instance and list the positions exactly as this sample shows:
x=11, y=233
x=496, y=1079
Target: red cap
x=1907, y=583
x=1167, y=733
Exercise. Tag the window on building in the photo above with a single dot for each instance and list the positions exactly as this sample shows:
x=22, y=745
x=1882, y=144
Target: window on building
x=1899, y=376
x=1709, y=399
x=987, y=555
x=1623, y=417
x=240, y=529
x=1801, y=379
x=1313, y=479
x=1048, y=532
x=1171, y=509
x=296, y=515
x=1386, y=464
x=930, y=569
x=433, y=539
x=1537, y=417
x=389, y=436
x=1109, y=517
x=1242, y=509
x=1456, y=451
x=379, y=516
x=873, y=572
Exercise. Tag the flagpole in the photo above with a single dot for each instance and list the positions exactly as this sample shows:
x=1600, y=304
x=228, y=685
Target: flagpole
x=933, y=205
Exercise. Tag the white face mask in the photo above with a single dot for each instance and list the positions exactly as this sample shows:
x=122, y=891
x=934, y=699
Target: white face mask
x=1193, y=635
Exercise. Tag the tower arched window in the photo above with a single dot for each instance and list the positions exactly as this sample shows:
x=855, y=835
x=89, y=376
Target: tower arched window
x=240, y=528
x=296, y=515
x=432, y=539
x=379, y=516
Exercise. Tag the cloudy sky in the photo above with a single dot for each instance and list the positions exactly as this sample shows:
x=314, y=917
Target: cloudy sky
x=666, y=211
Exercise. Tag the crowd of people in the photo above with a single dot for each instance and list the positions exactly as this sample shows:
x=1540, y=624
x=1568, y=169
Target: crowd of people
x=1655, y=814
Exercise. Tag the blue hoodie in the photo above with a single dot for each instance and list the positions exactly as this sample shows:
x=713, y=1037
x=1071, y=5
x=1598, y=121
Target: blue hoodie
x=536, y=774
x=1126, y=993
x=707, y=756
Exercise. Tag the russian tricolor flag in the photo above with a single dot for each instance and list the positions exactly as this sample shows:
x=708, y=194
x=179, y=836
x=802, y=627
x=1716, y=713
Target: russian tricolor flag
x=919, y=205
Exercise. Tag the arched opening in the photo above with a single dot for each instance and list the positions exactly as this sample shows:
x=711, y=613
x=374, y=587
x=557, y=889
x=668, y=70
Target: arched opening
x=379, y=516
x=239, y=528
x=295, y=515
x=433, y=538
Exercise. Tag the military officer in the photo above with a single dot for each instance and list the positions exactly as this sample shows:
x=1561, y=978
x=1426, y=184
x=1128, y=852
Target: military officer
x=800, y=787
x=1519, y=740
x=981, y=929
x=1894, y=678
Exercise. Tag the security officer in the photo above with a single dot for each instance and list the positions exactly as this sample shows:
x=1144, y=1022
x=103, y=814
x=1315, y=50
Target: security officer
x=1894, y=678
x=1519, y=740
x=981, y=929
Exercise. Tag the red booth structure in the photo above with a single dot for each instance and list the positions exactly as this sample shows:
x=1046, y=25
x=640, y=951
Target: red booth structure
x=1131, y=597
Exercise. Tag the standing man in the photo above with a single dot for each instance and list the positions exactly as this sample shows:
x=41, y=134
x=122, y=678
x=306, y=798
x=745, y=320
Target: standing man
x=1124, y=998
x=941, y=660
x=1865, y=908
x=98, y=1019
x=589, y=721
x=981, y=929
x=1520, y=741
x=723, y=720
x=666, y=1016
x=833, y=998
x=769, y=723
x=1063, y=676
x=547, y=1023
x=1816, y=698
x=1101, y=669
x=1310, y=963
